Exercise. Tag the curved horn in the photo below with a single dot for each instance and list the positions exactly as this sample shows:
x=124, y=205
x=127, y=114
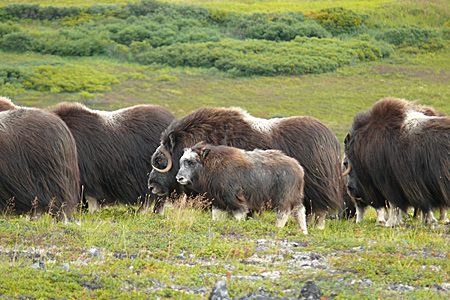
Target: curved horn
x=168, y=156
x=349, y=168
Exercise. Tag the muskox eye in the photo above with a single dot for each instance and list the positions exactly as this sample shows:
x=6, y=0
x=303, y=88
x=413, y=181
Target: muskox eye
x=191, y=163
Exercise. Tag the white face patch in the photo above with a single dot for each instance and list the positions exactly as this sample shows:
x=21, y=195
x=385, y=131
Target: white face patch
x=262, y=125
x=414, y=120
x=188, y=155
x=188, y=167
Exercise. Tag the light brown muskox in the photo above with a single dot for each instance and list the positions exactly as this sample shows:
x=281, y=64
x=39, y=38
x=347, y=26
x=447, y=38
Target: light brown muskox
x=114, y=150
x=38, y=162
x=239, y=181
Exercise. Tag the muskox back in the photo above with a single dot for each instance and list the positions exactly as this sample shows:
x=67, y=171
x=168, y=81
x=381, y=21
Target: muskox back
x=38, y=162
x=304, y=138
x=115, y=148
x=398, y=153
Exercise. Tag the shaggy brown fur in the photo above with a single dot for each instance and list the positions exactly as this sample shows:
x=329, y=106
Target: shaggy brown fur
x=304, y=138
x=238, y=181
x=397, y=151
x=38, y=162
x=115, y=148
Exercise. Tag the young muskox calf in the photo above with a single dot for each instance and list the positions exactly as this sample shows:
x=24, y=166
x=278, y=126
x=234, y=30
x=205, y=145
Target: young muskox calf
x=238, y=181
x=38, y=162
x=115, y=149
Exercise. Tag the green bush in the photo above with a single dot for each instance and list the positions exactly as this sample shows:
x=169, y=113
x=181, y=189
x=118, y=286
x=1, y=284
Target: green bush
x=13, y=74
x=8, y=27
x=17, y=41
x=37, y=12
x=72, y=42
x=55, y=77
x=339, y=20
x=68, y=78
x=257, y=57
x=412, y=36
x=273, y=27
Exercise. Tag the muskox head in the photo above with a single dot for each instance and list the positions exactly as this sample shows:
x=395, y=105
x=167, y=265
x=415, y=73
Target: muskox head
x=353, y=186
x=191, y=164
x=165, y=167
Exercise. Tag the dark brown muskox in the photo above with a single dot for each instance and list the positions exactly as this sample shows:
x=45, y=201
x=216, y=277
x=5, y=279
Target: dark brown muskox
x=114, y=150
x=239, y=181
x=398, y=154
x=304, y=138
x=38, y=162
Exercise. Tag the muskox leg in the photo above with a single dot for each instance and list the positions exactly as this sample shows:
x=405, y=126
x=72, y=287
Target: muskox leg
x=218, y=214
x=360, y=210
x=300, y=218
x=443, y=217
x=393, y=216
x=416, y=214
x=241, y=213
x=92, y=204
x=320, y=220
x=381, y=216
x=282, y=217
x=428, y=217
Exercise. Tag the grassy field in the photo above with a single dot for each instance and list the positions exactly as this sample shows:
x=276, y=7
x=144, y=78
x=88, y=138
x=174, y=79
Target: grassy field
x=118, y=253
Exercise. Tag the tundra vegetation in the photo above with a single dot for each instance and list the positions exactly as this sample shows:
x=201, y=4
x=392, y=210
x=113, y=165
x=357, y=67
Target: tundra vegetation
x=326, y=59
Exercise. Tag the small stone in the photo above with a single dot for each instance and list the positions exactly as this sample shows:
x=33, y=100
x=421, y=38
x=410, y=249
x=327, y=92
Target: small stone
x=182, y=256
x=220, y=291
x=38, y=266
x=310, y=291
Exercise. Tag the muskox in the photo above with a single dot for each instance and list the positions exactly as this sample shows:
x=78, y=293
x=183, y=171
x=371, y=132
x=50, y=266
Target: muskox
x=306, y=139
x=399, y=154
x=38, y=162
x=239, y=181
x=114, y=150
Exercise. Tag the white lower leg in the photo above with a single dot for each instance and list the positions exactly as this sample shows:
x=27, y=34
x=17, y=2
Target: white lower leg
x=241, y=213
x=443, y=216
x=300, y=218
x=394, y=216
x=282, y=217
x=381, y=216
x=92, y=204
x=360, y=210
x=429, y=218
x=218, y=214
x=320, y=220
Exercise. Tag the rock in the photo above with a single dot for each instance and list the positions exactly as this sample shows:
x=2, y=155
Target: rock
x=310, y=291
x=220, y=291
x=95, y=252
x=182, y=256
x=38, y=266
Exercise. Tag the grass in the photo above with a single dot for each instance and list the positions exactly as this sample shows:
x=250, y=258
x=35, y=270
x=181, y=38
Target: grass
x=117, y=253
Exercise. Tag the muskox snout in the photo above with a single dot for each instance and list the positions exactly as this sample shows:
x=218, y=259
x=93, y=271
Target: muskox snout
x=182, y=180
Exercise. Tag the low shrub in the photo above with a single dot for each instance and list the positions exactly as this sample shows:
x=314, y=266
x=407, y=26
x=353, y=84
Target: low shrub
x=8, y=27
x=69, y=78
x=339, y=20
x=256, y=57
x=412, y=37
x=273, y=26
x=55, y=77
x=18, y=41
x=14, y=74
